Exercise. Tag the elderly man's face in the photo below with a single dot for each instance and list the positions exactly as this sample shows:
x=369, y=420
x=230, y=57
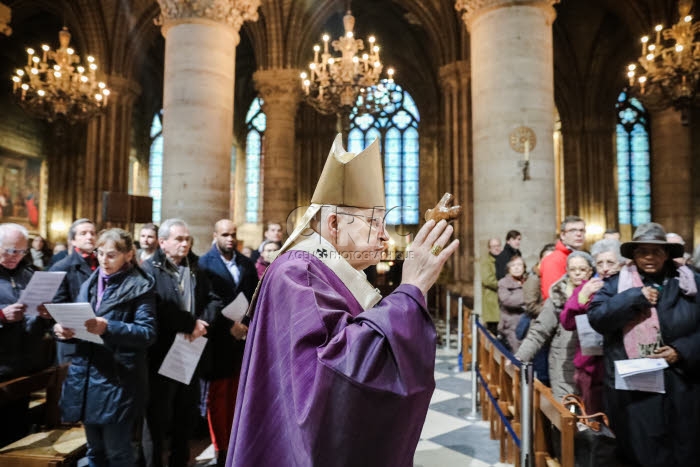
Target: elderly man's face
x=495, y=247
x=361, y=235
x=13, y=249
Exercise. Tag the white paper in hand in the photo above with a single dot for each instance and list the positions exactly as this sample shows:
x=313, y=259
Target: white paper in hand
x=42, y=288
x=182, y=358
x=235, y=311
x=73, y=316
x=591, y=341
x=640, y=374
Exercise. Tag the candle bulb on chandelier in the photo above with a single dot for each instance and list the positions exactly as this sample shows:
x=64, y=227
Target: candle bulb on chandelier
x=658, y=29
x=645, y=39
x=326, y=38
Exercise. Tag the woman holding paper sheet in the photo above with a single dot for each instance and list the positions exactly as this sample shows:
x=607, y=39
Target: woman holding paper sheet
x=651, y=310
x=107, y=383
x=588, y=373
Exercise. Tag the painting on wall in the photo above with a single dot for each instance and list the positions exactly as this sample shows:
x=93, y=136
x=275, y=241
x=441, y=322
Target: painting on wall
x=21, y=183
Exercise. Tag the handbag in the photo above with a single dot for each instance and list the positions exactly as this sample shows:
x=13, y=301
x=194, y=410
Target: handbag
x=523, y=326
x=594, y=441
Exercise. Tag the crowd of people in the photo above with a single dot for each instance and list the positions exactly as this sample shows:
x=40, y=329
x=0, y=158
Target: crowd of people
x=320, y=370
x=143, y=295
x=640, y=297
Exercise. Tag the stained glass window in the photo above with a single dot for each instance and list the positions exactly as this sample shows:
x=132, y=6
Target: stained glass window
x=396, y=126
x=256, y=123
x=155, y=166
x=633, y=174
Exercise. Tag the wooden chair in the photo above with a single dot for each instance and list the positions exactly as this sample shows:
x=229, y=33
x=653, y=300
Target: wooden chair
x=55, y=446
x=547, y=408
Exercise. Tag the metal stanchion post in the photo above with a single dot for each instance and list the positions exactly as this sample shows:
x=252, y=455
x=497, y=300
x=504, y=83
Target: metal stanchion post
x=474, y=366
x=459, y=324
x=526, y=391
x=447, y=322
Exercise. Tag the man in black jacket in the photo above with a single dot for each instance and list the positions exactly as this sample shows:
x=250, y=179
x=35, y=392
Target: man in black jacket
x=230, y=274
x=20, y=335
x=184, y=304
x=78, y=266
x=512, y=248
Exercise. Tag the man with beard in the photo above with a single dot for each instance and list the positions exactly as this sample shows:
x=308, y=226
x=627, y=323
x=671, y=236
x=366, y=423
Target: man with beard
x=230, y=274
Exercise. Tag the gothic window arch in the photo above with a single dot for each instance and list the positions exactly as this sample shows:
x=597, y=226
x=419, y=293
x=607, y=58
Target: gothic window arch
x=396, y=126
x=155, y=166
x=256, y=123
x=633, y=173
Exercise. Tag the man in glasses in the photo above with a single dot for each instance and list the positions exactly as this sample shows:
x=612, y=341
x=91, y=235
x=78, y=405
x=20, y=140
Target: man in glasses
x=572, y=236
x=333, y=374
x=20, y=334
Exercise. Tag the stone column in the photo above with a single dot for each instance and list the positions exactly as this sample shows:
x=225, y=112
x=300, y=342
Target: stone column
x=108, y=145
x=512, y=98
x=198, y=86
x=279, y=89
x=455, y=171
x=671, y=185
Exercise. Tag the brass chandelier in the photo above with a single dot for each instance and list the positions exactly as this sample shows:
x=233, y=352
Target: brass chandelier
x=668, y=70
x=53, y=84
x=334, y=83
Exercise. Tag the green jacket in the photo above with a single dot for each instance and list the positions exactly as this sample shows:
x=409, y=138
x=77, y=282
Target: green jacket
x=490, y=312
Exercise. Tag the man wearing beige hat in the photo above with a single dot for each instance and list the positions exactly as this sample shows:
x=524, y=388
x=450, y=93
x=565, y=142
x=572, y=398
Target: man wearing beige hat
x=334, y=374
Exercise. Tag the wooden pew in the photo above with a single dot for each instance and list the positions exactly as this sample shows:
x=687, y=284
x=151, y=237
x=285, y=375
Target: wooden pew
x=56, y=445
x=547, y=408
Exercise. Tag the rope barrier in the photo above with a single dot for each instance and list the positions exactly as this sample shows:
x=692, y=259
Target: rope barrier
x=507, y=353
x=494, y=403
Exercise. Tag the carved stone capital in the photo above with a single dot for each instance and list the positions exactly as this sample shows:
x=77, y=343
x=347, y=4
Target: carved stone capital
x=229, y=12
x=279, y=88
x=123, y=88
x=454, y=75
x=5, y=18
x=470, y=9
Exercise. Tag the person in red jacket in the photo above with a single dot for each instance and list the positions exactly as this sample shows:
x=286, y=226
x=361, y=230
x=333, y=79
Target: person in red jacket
x=571, y=238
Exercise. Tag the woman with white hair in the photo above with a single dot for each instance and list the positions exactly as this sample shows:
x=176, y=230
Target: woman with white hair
x=546, y=328
x=588, y=373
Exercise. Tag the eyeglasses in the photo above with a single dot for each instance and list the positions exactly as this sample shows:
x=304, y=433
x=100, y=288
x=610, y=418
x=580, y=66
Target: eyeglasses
x=374, y=222
x=608, y=263
x=15, y=251
x=580, y=270
x=581, y=231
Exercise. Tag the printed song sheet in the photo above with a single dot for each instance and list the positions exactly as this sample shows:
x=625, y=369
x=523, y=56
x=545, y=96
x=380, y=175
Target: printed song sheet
x=235, y=311
x=591, y=341
x=42, y=288
x=73, y=316
x=182, y=358
x=641, y=374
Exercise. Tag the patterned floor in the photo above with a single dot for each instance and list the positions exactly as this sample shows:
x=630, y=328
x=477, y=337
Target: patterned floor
x=448, y=438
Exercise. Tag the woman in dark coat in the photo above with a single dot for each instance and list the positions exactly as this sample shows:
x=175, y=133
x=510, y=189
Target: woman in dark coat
x=106, y=383
x=651, y=310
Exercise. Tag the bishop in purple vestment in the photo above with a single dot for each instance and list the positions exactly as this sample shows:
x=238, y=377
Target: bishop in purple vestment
x=334, y=375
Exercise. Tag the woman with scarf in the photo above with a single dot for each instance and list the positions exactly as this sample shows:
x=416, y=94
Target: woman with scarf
x=511, y=301
x=589, y=368
x=651, y=310
x=106, y=383
x=546, y=328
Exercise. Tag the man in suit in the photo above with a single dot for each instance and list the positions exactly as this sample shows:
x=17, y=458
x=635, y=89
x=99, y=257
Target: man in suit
x=230, y=274
x=78, y=265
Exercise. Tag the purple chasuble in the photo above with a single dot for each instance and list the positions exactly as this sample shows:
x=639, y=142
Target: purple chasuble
x=324, y=383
